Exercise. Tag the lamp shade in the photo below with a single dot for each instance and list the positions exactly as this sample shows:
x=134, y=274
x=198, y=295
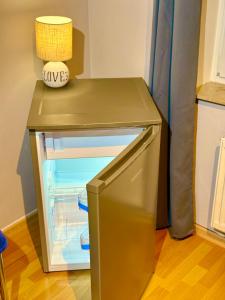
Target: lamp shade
x=54, y=38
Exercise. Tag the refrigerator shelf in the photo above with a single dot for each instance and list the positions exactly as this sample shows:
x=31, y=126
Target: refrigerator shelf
x=70, y=252
x=71, y=245
x=68, y=232
x=66, y=191
x=65, y=215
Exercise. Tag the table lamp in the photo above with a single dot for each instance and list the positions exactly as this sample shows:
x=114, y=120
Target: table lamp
x=54, y=44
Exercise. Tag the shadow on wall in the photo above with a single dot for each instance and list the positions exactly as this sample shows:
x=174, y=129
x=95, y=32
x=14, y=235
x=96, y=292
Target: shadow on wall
x=194, y=160
x=38, y=64
x=76, y=64
x=201, y=65
x=213, y=185
x=162, y=219
x=24, y=169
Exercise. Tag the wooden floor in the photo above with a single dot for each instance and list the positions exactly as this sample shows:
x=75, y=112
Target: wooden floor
x=191, y=269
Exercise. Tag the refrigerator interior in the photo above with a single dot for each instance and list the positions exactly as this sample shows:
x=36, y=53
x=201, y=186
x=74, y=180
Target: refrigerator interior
x=64, y=185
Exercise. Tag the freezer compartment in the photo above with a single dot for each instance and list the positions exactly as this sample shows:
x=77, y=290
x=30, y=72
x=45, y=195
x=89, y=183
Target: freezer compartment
x=86, y=143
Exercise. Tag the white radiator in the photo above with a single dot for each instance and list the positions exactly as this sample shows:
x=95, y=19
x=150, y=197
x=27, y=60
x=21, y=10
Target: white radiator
x=218, y=214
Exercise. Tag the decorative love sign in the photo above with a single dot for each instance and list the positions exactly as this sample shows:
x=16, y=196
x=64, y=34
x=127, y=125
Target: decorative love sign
x=55, y=74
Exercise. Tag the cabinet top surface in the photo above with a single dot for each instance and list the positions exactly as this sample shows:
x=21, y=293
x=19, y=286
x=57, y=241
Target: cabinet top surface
x=88, y=103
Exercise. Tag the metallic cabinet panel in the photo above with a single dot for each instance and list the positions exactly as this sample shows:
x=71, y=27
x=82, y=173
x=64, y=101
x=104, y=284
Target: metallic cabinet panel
x=92, y=103
x=122, y=211
x=39, y=199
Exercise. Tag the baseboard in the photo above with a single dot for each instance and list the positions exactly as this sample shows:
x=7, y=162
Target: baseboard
x=210, y=235
x=16, y=222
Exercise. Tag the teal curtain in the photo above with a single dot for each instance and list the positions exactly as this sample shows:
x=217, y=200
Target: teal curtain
x=173, y=75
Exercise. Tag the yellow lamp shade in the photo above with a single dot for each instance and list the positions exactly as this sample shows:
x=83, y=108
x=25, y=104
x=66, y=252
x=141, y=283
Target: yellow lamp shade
x=54, y=38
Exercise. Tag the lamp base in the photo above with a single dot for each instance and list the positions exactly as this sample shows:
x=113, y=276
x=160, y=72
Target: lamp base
x=55, y=74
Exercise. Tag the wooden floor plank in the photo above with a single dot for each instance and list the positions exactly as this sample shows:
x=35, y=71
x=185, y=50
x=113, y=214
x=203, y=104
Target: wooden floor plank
x=189, y=269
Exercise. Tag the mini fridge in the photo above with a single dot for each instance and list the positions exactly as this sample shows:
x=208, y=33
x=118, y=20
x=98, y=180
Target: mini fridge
x=95, y=151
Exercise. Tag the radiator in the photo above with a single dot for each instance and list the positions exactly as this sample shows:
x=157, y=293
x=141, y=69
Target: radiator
x=218, y=213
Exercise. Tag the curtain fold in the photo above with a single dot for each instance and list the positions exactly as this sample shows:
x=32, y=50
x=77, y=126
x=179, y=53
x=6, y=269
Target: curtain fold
x=172, y=84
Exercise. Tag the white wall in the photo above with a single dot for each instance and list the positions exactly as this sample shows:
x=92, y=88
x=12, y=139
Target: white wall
x=210, y=129
x=120, y=37
x=207, y=40
x=20, y=68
